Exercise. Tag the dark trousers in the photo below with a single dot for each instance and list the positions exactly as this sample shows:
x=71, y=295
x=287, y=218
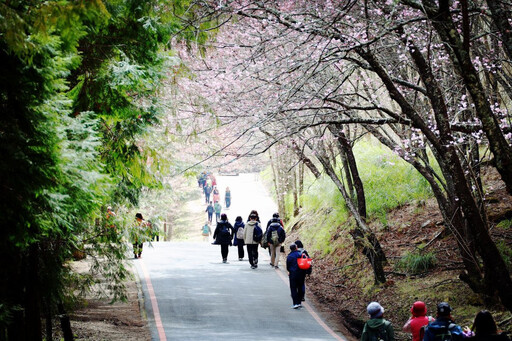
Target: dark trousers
x=137, y=248
x=207, y=197
x=252, y=252
x=224, y=249
x=228, y=203
x=240, y=250
x=217, y=217
x=297, y=288
x=210, y=215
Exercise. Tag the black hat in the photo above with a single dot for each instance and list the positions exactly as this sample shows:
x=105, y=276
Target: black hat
x=293, y=247
x=139, y=216
x=275, y=215
x=223, y=216
x=444, y=309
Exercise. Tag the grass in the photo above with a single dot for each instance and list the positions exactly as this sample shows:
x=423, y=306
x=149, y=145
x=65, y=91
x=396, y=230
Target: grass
x=416, y=262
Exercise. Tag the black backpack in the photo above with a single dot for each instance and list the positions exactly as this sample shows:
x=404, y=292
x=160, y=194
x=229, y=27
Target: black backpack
x=258, y=233
x=380, y=334
x=224, y=232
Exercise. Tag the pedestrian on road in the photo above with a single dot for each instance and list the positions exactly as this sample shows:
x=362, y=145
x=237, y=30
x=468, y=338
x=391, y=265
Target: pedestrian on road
x=302, y=251
x=252, y=245
x=377, y=328
x=139, y=234
x=443, y=324
x=223, y=236
x=417, y=321
x=210, y=211
x=485, y=328
x=207, y=192
x=227, y=198
x=275, y=237
x=239, y=228
x=216, y=194
x=206, y=231
x=296, y=276
x=218, y=209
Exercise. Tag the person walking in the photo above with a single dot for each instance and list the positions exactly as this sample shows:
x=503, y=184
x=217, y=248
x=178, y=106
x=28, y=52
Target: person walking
x=275, y=237
x=300, y=248
x=206, y=231
x=218, y=209
x=227, y=198
x=216, y=194
x=377, y=328
x=252, y=245
x=223, y=236
x=239, y=228
x=210, y=211
x=485, y=329
x=417, y=321
x=207, y=192
x=296, y=276
x=443, y=324
x=138, y=234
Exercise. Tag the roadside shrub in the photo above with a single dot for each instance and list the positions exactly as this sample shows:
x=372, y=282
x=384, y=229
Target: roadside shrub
x=416, y=263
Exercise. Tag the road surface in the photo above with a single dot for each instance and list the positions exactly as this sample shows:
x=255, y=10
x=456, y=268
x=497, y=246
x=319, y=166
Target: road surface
x=189, y=294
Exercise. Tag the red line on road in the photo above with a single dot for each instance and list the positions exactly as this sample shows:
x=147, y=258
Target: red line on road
x=312, y=312
x=154, y=303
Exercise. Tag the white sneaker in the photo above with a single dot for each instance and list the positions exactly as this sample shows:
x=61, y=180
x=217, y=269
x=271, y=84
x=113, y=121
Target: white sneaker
x=296, y=306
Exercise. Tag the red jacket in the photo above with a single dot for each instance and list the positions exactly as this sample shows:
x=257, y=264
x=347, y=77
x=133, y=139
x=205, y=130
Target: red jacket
x=414, y=326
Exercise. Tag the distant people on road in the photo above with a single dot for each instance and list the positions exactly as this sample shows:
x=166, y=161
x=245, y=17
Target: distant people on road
x=239, y=228
x=252, y=245
x=296, y=276
x=139, y=234
x=485, y=329
x=216, y=194
x=223, y=236
x=227, y=198
x=377, y=328
x=210, y=210
x=275, y=237
x=218, y=209
x=443, y=324
x=300, y=248
x=417, y=321
x=206, y=231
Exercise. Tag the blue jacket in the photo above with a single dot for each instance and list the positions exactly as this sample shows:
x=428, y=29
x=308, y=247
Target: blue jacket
x=281, y=235
x=441, y=326
x=292, y=266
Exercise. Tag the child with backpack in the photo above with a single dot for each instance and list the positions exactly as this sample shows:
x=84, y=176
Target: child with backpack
x=239, y=237
x=416, y=323
x=206, y=231
x=377, y=328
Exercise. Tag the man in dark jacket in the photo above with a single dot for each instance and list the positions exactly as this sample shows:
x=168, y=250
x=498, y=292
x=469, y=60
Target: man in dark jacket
x=223, y=235
x=210, y=211
x=443, y=325
x=296, y=276
x=275, y=237
x=377, y=328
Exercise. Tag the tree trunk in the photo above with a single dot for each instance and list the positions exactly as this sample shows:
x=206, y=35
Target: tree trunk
x=65, y=324
x=364, y=238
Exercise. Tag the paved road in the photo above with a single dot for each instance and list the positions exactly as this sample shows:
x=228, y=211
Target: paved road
x=189, y=294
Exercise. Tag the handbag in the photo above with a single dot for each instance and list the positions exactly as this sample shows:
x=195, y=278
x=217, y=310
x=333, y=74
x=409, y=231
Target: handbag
x=304, y=262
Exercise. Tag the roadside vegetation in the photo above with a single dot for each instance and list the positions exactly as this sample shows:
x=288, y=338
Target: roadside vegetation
x=422, y=258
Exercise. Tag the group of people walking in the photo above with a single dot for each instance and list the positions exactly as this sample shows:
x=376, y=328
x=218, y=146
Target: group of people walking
x=426, y=328
x=251, y=235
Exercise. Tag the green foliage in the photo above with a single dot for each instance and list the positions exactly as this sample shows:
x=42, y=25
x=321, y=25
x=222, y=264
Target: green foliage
x=416, y=262
x=506, y=252
x=505, y=224
x=68, y=152
x=389, y=182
